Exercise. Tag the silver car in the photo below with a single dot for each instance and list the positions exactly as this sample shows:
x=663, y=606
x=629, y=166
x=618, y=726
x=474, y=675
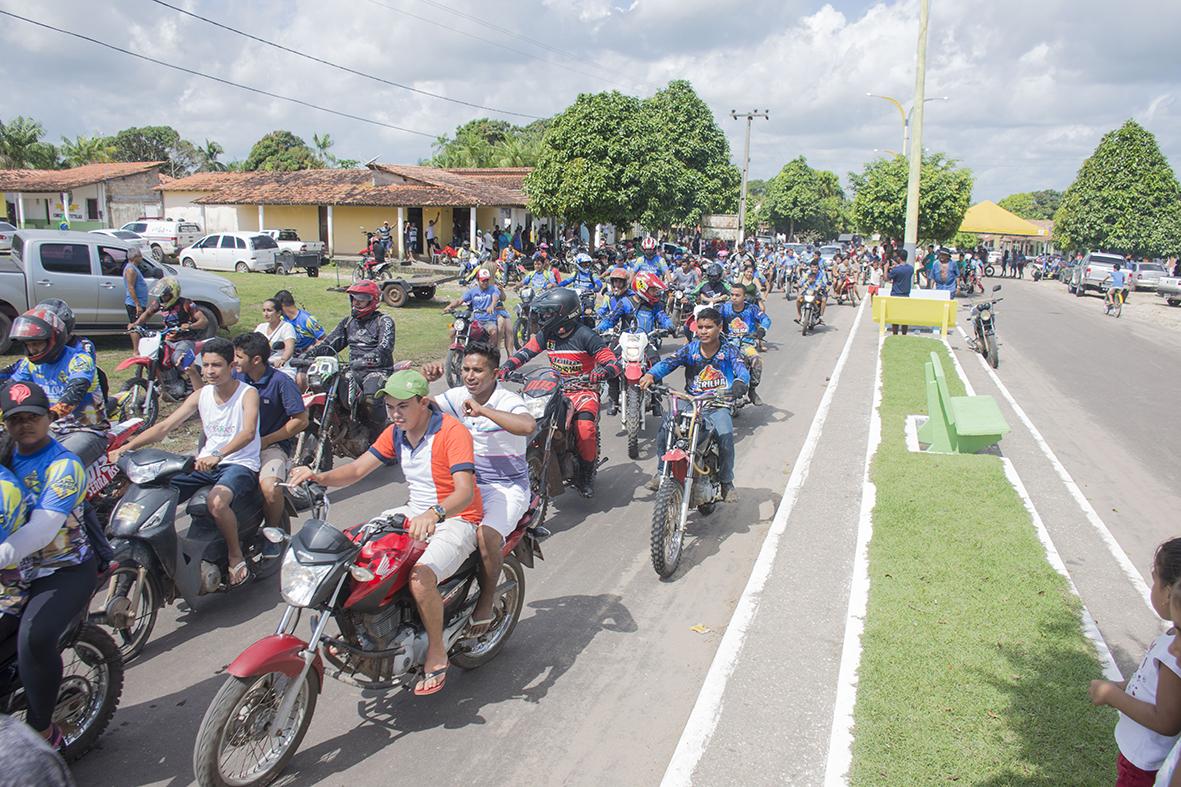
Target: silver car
x=132, y=239
x=1092, y=272
x=1146, y=275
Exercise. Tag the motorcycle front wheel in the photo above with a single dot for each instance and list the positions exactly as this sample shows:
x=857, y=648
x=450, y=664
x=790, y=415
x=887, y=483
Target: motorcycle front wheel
x=237, y=728
x=632, y=420
x=137, y=402
x=991, y=352
x=131, y=621
x=505, y=615
x=668, y=531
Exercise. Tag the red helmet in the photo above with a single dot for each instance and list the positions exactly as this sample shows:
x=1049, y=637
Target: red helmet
x=649, y=287
x=364, y=296
x=40, y=324
x=649, y=246
x=617, y=273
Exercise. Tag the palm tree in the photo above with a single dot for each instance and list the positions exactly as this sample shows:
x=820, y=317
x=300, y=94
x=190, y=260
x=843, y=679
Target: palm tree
x=208, y=154
x=21, y=146
x=87, y=150
x=322, y=142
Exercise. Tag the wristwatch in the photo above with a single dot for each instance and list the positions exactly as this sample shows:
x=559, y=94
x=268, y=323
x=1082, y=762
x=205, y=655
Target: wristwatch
x=216, y=453
x=440, y=512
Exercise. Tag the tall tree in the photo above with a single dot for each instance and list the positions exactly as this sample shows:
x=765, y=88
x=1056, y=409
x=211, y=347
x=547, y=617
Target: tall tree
x=489, y=143
x=879, y=204
x=1033, y=204
x=21, y=146
x=323, y=144
x=1125, y=198
x=87, y=150
x=281, y=151
x=157, y=143
x=209, y=153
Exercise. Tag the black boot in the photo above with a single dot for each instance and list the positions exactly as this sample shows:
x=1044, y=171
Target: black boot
x=585, y=478
x=753, y=396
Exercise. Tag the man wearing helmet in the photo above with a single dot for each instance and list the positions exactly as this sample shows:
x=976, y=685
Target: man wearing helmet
x=813, y=278
x=650, y=291
x=182, y=319
x=649, y=261
x=712, y=290
x=583, y=360
x=584, y=279
x=66, y=373
x=369, y=336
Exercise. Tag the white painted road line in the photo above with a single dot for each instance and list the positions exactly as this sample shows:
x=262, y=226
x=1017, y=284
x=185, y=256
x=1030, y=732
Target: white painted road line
x=1117, y=552
x=703, y=719
x=840, y=742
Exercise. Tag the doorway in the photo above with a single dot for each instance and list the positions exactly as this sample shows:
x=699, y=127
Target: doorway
x=415, y=215
x=322, y=210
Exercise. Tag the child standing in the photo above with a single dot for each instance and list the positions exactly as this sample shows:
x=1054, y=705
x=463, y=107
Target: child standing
x=1150, y=705
x=875, y=279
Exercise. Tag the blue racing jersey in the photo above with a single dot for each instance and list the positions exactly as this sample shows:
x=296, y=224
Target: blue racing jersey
x=540, y=280
x=614, y=309
x=714, y=374
x=13, y=512
x=584, y=281
x=656, y=265
x=71, y=379
x=308, y=330
x=56, y=481
x=740, y=323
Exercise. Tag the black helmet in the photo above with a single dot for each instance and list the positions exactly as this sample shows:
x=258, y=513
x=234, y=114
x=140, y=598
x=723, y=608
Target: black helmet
x=554, y=308
x=713, y=271
x=62, y=310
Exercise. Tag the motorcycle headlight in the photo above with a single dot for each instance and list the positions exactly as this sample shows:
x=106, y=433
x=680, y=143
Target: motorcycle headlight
x=527, y=294
x=809, y=298
x=536, y=407
x=457, y=325
x=298, y=582
x=632, y=354
x=985, y=314
x=143, y=474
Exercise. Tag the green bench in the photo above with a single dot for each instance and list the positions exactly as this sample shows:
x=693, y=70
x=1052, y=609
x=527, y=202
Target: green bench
x=958, y=424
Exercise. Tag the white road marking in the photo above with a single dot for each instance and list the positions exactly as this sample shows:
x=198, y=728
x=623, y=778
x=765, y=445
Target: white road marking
x=840, y=742
x=1117, y=552
x=703, y=719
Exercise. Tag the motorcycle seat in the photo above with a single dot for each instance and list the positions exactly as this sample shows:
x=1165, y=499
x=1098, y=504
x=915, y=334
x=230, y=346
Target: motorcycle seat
x=468, y=566
x=244, y=507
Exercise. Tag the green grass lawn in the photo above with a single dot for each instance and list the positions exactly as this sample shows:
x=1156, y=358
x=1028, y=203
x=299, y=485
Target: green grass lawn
x=974, y=668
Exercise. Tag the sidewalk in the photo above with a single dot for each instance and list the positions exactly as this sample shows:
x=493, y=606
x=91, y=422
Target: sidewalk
x=775, y=716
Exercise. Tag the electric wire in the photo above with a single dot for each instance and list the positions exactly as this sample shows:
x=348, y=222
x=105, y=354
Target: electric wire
x=203, y=75
x=340, y=67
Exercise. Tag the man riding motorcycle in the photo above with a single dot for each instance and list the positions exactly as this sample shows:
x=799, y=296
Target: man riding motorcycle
x=542, y=277
x=484, y=301
x=649, y=261
x=650, y=291
x=574, y=351
x=182, y=320
x=739, y=320
x=814, y=277
x=712, y=290
x=369, y=335
x=584, y=279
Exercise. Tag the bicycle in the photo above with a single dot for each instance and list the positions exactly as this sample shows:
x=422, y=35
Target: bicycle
x=1114, y=303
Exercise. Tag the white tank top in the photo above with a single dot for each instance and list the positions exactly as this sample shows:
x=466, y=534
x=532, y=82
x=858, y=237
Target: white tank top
x=222, y=421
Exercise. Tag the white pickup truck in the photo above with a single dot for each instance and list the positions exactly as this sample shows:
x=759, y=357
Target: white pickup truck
x=1169, y=288
x=294, y=252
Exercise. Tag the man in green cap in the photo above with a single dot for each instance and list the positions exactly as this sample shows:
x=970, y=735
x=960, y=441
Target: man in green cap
x=435, y=453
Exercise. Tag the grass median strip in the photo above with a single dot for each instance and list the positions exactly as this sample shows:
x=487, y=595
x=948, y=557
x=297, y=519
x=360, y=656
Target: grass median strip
x=974, y=666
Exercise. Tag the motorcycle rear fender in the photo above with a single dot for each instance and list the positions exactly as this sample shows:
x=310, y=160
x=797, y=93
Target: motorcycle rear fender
x=135, y=360
x=633, y=371
x=275, y=653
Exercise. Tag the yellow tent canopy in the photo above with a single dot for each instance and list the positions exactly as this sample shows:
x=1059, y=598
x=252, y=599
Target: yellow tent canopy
x=989, y=218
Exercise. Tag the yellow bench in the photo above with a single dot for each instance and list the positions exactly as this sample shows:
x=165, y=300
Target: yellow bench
x=889, y=309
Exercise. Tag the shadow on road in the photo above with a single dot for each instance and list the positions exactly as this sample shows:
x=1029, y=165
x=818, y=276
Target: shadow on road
x=543, y=648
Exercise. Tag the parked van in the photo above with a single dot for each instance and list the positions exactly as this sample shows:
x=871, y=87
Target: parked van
x=167, y=236
x=243, y=252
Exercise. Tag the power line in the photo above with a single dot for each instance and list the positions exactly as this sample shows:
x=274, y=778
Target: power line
x=498, y=44
x=353, y=71
x=216, y=79
x=519, y=36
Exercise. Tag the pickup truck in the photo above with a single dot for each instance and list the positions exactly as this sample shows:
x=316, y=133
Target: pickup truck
x=1169, y=288
x=86, y=271
x=295, y=252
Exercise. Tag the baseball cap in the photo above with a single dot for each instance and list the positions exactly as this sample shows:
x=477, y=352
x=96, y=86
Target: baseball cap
x=23, y=398
x=405, y=384
x=483, y=275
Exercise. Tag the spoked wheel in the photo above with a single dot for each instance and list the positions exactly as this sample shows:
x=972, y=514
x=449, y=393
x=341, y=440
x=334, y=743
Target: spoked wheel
x=235, y=745
x=128, y=607
x=631, y=420
x=454, y=367
x=92, y=682
x=358, y=273
x=990, y=345
x=137, y=401
x=1117, y=306
x=668, y=532
x=537, y=484
x=521, y=332
x=505, y=614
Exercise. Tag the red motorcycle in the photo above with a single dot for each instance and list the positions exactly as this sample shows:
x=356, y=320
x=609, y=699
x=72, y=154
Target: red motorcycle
x=155, y=370
x=369, y=267
x=358, y=578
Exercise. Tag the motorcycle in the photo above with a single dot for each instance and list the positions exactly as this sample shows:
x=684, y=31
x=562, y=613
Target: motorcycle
x=587, y=299
x=463, y=329
x=368, y=267
x=155, y=372
x=358, y=578
x=809, y=312
x=91, y=684
x=983, y=318
x=847, y=290
x=105, y=482
x=156, y=565
x=638, y=355
x=690, y=475
x=335, y=427
x=522, y=328
x=678, y=301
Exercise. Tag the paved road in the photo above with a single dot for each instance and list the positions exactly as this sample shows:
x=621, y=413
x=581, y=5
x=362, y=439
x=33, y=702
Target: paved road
x=1100, y=391
x=600, y=674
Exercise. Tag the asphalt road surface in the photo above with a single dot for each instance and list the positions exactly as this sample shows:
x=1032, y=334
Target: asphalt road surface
x=601, y=672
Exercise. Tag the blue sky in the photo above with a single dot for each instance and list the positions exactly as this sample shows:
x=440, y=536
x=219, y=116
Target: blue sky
x=1032, y=86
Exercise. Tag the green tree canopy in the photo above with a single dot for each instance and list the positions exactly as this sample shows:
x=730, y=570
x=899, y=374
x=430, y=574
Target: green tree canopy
x=21, y=146
x=87, y=150
x=879, y=204
x=209, y=153
x=801, y=199
x=157, y=143
x=490, y=143
x=281, y=151
x=1033, y=204
x=1125, y=198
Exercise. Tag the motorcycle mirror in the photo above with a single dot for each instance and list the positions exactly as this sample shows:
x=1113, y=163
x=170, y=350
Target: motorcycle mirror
x=274, y=535
x=997, y=288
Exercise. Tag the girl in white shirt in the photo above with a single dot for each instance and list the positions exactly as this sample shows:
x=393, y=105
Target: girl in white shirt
x=1150, y=704
x=278, y=332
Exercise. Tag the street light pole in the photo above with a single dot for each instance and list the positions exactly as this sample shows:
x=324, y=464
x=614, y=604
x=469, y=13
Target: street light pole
x=754, y=113
x=905, y=114
x=911, y=233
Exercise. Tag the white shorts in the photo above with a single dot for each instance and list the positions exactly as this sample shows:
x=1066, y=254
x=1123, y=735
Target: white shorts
x=273, y=462
x=503, y=506
x=454, y=540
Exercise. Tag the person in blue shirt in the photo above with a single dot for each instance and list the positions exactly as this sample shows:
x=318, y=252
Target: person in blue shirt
x=584, y=279
x=1118, y=283
x=944, y=273
x=67, y=374
x=51, y=549
x=484, y=301
x=619, y=304
x=744, y=325
x=308, y=330
x=649, y=261
x=814, y=277
x=541, y=278
x=710, y=367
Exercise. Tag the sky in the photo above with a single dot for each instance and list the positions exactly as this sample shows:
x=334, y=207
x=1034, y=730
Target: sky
x=1032, y=85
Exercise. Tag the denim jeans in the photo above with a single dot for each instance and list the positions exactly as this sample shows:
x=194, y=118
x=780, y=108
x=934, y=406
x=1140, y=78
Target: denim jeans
x=723, y=424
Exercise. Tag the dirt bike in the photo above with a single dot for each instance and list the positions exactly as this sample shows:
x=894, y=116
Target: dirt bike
x=637, y=355
x=689, y=478
x=358, y=579
x=155, y=372
x=522, y=327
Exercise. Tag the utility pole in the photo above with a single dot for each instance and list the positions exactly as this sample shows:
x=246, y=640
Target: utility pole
x=910, y=238
x=754, y=113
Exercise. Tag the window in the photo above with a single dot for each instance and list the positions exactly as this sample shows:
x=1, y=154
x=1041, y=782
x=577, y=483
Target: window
x=288, y=235
x=239, y=243
x=208, y=242
x=227, y=241
x=6, y=227
x=136, y=227
x=92, y=209
x=264, y=242
x=188, y=228
x=125, y=235
x=66, y=258
x=111, y=260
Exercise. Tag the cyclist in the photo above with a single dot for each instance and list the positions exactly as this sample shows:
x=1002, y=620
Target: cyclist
x=1118, y=283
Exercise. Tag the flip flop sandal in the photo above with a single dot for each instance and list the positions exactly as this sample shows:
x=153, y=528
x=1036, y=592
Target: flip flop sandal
x=245, y=575
x=421, y=692
x=56, y=739
x=474, y=624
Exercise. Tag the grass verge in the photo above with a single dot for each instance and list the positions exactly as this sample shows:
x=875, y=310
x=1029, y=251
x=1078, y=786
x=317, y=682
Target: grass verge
x=974, y=667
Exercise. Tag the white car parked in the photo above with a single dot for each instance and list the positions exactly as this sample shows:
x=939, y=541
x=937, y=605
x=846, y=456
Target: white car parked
x=166, y=236
x=231, y=251
x=131, y=239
